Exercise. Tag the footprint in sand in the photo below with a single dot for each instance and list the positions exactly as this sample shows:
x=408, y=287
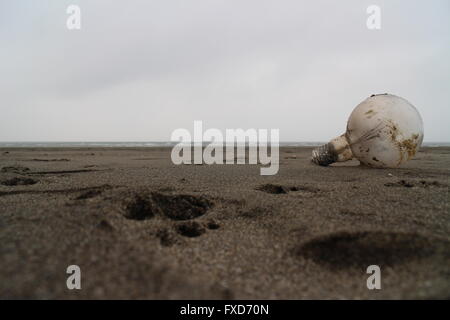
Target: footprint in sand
x=167, y=237
x=190, y=229
x=177, y=207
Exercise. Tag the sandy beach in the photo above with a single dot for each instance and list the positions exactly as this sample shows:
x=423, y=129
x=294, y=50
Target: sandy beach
x=141, y=227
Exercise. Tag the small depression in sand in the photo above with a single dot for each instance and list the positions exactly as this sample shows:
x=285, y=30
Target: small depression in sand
x=279, y=189
x=166, y=237
x=89, y=194
x=190, y=229
x=273, y=189
x=345, y=250
x=411, y=184
x=175, y=207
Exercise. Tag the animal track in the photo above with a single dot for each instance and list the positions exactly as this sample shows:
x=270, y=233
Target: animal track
x=279, y=189
x=190, y=229
x=18, y=181
x=345, y=250
x=212, y=225
x=174, y=207
x=140, y=208
x=166, y=237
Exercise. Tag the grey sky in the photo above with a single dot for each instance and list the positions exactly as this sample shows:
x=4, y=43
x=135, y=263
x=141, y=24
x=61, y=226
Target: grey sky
x=137, y=70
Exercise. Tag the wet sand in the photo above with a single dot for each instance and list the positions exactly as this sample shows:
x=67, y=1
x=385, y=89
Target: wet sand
x=141, y=227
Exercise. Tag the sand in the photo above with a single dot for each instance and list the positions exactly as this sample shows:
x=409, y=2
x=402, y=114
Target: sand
x=141, y=227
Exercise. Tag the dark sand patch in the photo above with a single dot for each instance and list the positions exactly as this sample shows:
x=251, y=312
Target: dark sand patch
x=347, y=250
x=273, y=189
x=352, y=213
x=19, y=181
x=141, y=208
x=15, y=169
x=105, y=225
x=48, y=160
x=212, y=225
x=190, y=229
x=305, y=189
x=252, y=213
x=89, y=194
x=279, y=189
x=167, y=238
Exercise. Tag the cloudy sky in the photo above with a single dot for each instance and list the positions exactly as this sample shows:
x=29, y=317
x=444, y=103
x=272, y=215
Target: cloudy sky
x=137, y=70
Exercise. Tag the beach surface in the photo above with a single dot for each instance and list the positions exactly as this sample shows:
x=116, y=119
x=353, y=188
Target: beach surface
x=140, y=227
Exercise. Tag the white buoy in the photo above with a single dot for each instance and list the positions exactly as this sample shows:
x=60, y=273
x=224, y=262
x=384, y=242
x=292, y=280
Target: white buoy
x=383, y=131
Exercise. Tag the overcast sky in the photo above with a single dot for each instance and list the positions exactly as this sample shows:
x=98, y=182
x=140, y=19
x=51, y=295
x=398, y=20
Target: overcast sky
x=137, y=70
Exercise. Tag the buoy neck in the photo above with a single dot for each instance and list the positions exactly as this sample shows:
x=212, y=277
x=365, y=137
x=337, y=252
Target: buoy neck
x=336, y=150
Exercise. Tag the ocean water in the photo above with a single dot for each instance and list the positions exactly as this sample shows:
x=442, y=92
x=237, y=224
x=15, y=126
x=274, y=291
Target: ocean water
x=155, y=144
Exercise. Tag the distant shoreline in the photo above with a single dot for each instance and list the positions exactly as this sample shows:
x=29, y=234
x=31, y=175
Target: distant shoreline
x=155, y=144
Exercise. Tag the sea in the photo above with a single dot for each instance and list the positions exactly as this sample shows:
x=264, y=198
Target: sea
x=154, y=144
